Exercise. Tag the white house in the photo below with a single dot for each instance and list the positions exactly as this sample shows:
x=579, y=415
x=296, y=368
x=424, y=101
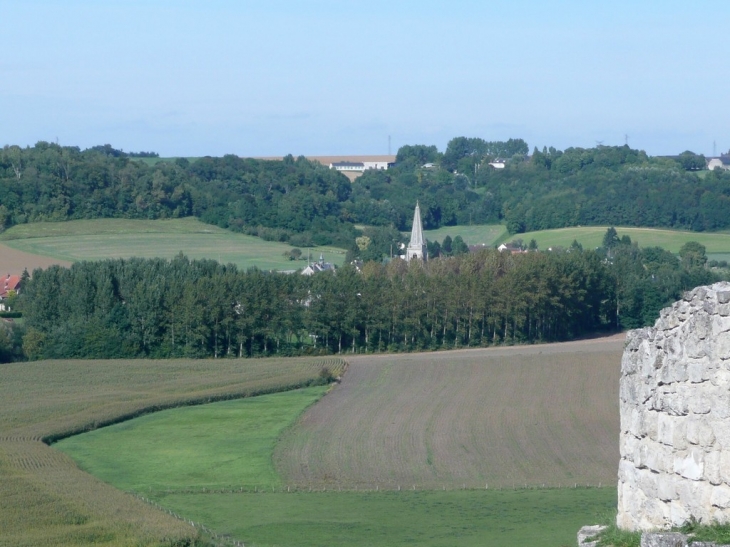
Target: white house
x=358, y=165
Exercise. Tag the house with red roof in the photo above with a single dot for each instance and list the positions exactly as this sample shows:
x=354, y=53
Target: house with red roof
x=9, y=285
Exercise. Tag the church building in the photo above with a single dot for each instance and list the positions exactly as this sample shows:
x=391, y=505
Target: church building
x=417, y=246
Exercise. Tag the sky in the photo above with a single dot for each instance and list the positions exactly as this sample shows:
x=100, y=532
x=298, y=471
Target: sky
x=326, y=77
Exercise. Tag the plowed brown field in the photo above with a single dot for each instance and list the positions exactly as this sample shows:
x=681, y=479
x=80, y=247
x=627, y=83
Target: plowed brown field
x=544, y=414
x=13, y=261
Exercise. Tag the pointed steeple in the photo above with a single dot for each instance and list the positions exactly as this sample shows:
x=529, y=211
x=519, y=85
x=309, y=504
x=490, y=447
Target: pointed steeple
x=417, y=246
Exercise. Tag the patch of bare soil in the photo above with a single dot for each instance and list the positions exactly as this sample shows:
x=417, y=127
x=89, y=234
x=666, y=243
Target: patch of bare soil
x=13, y=261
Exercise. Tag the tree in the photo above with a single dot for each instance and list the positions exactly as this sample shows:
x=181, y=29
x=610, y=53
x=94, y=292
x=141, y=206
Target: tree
x=446, y=246
x=532, y=246
x=610, y=238
x=693, y=255
x=459, y=247
x=691, y=161
x=418, y=153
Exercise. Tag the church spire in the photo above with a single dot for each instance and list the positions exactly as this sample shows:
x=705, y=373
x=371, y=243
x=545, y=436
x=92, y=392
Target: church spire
x=417, y=246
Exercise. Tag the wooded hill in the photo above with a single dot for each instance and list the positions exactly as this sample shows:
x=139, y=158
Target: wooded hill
x=305, y=203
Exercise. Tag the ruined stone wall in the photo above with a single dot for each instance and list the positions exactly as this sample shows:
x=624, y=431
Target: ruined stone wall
x=675, y=415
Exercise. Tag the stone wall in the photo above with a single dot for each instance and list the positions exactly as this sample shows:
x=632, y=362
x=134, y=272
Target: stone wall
x=675, y=415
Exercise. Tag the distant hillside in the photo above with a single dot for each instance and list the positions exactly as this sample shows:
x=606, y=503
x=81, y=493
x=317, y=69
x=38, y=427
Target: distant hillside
x=304, y=203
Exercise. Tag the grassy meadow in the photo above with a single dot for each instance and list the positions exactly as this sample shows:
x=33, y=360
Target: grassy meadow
x=218, y=445
x=487, y=234
x=99, y=239
x=592, y=236
x=540, y=518
x=45, y=499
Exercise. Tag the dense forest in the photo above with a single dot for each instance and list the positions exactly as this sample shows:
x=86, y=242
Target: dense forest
x=159, y=308
x=305, y=203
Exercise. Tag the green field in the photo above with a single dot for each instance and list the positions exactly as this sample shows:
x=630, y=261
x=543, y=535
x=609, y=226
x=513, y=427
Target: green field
x=464, y=518
x=77, y=240
x=592, y=236
x=209, y=446
x=487, y=234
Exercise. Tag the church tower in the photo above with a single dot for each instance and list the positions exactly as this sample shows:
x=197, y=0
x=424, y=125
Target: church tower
x=417, y=246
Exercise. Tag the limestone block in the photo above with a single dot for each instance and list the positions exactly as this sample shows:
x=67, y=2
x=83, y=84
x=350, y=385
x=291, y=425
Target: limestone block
x=712, y=467
x=722, y=346
x=663, y=539
x=679, y=438
x=707, y=435
x=725, y=466
x=699, y=403
x=721, y=431
x=723, y=310
x=698, y=370
x=721, y=496
x=627, y=472
x=627, y=393
x=657, y=457
x=588, y=532
x=700, y=325
x=694, y=347
x=720, y=403
x=678, y=513
x=677, y=369
x=676, y=404
x=651, y=424
x=666, y=487
x=695, y=496
x=720, y=324
x=654, y=514
x=693, y=429
x=665, y=429
x=689, y=463
x=628, y=445
x=721, y=379
x=723, y=296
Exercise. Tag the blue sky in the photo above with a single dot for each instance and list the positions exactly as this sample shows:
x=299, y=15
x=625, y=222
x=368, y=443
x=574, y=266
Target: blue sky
x=266, y=78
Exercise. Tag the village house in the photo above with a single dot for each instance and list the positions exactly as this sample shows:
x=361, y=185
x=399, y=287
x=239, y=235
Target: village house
x=9, y=286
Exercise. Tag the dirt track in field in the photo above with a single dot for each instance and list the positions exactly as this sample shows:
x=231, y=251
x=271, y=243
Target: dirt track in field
x=13, y=262
x=542, y=414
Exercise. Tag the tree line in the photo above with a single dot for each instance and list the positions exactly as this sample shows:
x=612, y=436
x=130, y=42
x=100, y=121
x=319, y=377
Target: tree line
x=200, y=308
x=305, y=203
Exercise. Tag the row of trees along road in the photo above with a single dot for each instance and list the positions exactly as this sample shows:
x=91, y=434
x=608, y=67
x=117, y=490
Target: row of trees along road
x=158, y=308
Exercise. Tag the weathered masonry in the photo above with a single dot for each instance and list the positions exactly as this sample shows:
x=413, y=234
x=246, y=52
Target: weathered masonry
x=675, y=415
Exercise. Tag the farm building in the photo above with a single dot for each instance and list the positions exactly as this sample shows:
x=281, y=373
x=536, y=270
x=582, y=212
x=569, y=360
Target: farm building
x=358, y=165
x=722, y=162
x=319, y=266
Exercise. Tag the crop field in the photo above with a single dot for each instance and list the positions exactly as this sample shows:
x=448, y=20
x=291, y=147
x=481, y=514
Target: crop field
x=487, y=234
x=213, y=463
x=77, y=240
x=13, y=261
x=502, y=417
x=45, y=499
x=592, y=236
